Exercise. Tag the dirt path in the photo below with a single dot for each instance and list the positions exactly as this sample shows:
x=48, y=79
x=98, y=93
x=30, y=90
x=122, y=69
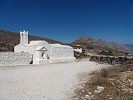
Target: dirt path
x=43, y=82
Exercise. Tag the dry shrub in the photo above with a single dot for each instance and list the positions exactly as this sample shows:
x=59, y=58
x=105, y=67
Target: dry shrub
x=108, y=78
x=125, y=67
x=102, y=78
x=130, y=76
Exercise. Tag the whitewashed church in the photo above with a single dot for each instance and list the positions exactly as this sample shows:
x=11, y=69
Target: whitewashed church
x=43, y=52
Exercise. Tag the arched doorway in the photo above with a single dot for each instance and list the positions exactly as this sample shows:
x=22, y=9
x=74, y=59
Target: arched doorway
x=41, y=55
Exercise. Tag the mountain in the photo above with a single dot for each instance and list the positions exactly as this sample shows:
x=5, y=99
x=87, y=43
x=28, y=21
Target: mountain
x=9, y=39
x=129, y=47
x=100, y=46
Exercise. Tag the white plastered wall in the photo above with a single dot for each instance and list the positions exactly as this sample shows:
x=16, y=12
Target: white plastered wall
x=55, y=52
x=61, y=53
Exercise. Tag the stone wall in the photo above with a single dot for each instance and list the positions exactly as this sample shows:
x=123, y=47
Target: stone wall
x=15, y=58
x=112, y=59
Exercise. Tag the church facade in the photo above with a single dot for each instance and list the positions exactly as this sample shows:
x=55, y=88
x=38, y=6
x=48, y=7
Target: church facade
x=43, y=52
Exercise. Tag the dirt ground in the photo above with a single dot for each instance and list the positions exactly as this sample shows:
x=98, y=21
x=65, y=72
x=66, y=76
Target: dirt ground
x=43, y=82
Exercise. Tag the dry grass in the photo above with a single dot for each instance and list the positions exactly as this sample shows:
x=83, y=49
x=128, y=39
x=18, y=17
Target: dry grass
x=115, y=80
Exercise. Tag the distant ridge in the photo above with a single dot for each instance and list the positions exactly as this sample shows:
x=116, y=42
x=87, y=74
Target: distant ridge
x=129, y=47
x=98, y=46
x=9, y=39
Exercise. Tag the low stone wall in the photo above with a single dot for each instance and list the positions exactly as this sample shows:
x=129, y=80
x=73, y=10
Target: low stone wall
x=15, y=58
x=112, y=59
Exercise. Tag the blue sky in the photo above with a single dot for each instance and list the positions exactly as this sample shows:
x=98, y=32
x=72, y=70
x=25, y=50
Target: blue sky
x=67, y=20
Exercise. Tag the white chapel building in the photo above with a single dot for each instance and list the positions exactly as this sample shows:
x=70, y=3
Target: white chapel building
x=43, y=52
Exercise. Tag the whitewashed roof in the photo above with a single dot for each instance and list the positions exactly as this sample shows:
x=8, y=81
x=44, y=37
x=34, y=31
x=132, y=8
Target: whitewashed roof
x=59, y=45
x=33, y=43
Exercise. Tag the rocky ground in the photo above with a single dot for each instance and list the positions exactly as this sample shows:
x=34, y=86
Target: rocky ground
x=43, y=82
x=114, y=83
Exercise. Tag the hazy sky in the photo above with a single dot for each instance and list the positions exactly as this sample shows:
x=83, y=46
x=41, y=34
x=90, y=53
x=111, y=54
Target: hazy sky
x=67, y=20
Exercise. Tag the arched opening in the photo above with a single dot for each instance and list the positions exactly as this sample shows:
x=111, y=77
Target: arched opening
x=41, y=53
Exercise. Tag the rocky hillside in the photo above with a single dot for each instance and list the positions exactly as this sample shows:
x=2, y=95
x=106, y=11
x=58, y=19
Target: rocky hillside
x=9, y=39
x=100, y=46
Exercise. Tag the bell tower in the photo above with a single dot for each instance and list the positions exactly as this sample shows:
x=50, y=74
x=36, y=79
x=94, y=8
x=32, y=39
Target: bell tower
x=23, y=37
